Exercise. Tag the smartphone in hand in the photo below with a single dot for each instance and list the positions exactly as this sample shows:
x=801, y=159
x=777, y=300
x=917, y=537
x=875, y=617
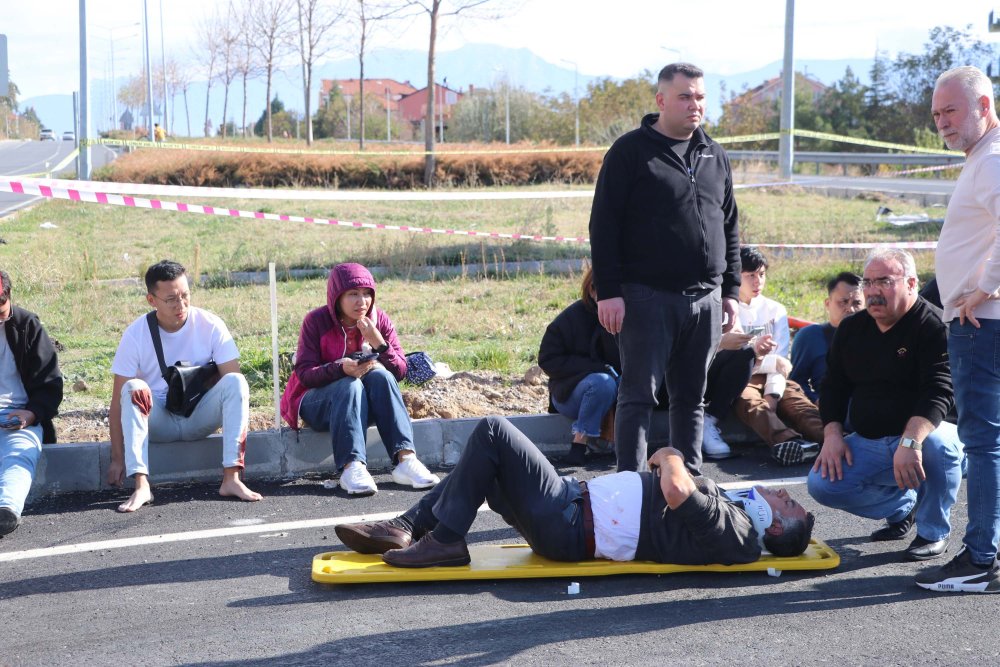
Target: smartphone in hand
x=362, y=357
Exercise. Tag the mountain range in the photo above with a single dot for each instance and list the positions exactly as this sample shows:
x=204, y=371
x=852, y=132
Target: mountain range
x=479, y=65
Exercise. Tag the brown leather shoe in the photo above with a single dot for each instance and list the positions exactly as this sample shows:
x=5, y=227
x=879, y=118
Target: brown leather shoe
x=373, y=537
x=428, y=552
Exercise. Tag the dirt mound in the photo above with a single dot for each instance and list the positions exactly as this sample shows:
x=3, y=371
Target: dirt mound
x=465, y=394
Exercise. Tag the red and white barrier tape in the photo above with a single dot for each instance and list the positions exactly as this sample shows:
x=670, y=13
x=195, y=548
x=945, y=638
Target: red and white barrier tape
x=314, y=195
x=73, y=194
x=28, y=187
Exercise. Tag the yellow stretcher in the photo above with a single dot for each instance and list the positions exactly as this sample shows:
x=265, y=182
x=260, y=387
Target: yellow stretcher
x=518, y=561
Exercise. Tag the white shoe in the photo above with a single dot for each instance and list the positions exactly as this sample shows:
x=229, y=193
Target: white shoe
x=712, y=444
x=356, y=480
x=411, y=472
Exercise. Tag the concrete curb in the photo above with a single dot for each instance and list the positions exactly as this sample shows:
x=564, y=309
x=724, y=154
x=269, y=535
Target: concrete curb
x=65, y=468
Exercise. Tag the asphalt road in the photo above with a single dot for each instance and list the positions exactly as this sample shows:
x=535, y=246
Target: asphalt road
x=244, y=596
x=31, y=157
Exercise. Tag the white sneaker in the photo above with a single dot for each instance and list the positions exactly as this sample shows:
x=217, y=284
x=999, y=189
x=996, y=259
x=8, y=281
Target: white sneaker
x=411, y=472
x=712, y=444
x=356, y=480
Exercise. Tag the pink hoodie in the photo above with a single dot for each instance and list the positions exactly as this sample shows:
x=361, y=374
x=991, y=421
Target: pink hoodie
x=323, y=341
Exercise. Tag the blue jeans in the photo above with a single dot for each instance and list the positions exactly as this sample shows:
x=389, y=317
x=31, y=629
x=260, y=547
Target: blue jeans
x=590, y=401
x=666, y=338
x=869, y=486
x=347, y=407
x=974, y=355
x=19, y=452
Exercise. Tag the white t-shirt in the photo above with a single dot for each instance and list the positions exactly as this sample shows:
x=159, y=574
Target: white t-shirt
x=203, y=338
x=616, y=501
x=12, y=393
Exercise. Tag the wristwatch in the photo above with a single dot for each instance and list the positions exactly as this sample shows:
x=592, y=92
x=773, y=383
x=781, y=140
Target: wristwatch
x=915, y=445
x=381, y=348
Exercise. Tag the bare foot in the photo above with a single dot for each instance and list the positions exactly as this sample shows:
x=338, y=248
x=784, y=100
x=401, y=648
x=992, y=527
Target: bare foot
x=234, y=486
x=142, y=496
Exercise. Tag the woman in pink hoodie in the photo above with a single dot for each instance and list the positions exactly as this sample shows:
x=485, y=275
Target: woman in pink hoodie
x=335, y=388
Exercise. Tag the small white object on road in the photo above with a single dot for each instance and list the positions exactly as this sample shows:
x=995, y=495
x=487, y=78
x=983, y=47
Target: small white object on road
x=773, y=572
x=573, y=588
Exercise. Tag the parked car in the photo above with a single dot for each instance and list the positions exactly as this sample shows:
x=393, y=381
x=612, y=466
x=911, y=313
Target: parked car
x=69, y=135
x=46, y=135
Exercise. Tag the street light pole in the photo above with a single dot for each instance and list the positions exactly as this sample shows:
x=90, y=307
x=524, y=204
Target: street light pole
x=83, y=172
x=576, y=99
x=785, y=143
x=163, y=64
x=149, y=76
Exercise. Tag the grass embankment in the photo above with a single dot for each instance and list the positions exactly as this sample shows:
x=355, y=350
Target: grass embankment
x=470, y=322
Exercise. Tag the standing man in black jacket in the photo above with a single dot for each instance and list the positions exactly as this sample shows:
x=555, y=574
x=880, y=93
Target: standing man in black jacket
x=665, y=245
x=31, y=389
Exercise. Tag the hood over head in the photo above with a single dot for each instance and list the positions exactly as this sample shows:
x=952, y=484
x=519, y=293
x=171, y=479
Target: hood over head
x=345, y=277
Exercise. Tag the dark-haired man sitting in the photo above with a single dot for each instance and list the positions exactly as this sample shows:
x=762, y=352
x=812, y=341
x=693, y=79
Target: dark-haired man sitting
x=665, y=515
x=811, y=344
x=138, y=413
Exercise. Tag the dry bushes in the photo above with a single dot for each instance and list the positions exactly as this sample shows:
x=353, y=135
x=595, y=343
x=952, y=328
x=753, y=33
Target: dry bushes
x=374, y=169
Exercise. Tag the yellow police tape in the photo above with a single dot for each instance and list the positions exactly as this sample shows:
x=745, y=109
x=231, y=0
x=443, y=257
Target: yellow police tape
x=518, y=561
x=55, y=170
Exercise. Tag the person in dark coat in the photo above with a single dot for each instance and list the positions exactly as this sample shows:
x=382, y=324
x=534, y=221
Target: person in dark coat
x=582, y=361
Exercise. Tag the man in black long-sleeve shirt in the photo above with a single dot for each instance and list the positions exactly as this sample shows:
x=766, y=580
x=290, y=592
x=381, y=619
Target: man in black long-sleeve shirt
x=665, y=246
x=888, y=370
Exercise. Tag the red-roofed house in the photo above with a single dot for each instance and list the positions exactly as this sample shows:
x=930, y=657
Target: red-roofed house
x=413, y=107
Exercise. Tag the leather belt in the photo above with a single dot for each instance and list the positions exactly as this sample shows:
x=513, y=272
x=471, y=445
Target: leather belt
x=588, y=521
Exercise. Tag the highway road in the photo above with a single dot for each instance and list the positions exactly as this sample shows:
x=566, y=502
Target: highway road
x=33, y=157
x=241, y=594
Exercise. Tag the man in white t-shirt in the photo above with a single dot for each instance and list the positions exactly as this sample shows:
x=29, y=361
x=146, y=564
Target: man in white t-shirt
x=774, y=407
x=138, y=401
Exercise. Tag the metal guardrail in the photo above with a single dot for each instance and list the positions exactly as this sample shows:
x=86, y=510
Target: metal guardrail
x=911, y=159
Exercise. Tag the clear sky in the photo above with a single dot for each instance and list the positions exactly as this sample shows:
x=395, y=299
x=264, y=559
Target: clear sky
x=603, y=37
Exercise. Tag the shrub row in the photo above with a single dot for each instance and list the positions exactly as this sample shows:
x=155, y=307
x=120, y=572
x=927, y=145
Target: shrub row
x=372, y=170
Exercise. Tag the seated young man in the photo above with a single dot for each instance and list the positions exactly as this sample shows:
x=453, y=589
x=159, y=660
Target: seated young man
x=138, y=411
x=31, y=388
x=812, y=343
x=774, y=407
x=665, y=515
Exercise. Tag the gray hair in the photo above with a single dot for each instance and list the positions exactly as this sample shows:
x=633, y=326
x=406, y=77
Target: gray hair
x=973, y=81
x=898, y=255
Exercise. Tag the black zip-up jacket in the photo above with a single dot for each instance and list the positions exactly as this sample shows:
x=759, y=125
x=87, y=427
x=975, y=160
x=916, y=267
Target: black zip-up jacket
x=660, y=224
x=35, y=358
x=574, y=346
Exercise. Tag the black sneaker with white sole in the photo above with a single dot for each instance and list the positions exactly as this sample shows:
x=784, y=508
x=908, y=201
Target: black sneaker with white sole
x=961, y=575
x=795, y=451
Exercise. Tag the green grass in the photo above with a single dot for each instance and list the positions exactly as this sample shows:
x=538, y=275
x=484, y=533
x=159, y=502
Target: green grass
x=470, y=322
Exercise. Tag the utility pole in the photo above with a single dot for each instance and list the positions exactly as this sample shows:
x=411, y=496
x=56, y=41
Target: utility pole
x=786, y=156
x=163, y=64
x=83, y=170
x=149, y=66
x=388, y=118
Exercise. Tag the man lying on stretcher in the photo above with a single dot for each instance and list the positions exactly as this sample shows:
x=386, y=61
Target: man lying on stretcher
x=665, y=516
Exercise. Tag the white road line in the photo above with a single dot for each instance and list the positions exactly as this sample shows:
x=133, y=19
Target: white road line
x=269, y=528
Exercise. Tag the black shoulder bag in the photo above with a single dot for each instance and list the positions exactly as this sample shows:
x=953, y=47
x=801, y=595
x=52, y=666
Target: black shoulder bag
x=187, y=383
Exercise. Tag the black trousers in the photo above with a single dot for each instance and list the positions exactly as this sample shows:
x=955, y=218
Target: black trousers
x=501, y=466
x=728, y=376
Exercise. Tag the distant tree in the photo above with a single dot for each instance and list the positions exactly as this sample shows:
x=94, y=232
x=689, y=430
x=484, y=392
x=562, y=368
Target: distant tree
x=271, y=24
x=610, y=108
x=843, y=105
x=229, y=43
x=366, y=17
x=178, y=78
x=276, y=107
x=533, y=117
x=207, y=55
x=317, y=20
x=331, y=117
x=436, y=10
